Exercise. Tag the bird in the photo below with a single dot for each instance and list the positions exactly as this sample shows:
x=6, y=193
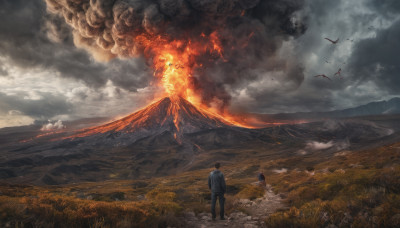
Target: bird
x=323, y=75
x=338, y=72
x=333, y=42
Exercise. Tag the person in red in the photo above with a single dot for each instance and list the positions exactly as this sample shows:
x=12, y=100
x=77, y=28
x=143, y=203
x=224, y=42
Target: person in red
x=217, y=185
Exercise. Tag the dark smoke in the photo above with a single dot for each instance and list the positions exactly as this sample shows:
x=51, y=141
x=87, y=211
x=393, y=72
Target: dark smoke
x=251, y=32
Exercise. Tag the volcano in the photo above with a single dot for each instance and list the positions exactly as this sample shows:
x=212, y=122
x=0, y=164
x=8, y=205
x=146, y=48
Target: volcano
x=170, y=114
x=170, y=136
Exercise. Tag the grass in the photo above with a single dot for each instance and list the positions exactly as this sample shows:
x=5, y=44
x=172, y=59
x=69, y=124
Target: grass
x=359, y=189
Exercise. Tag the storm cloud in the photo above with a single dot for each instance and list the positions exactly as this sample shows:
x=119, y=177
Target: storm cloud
x=31, y=39
x=377, y=59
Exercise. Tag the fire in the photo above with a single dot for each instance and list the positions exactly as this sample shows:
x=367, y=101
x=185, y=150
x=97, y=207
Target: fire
x=175, y=61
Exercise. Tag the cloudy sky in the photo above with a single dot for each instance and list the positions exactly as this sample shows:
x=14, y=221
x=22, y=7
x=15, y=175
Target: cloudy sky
x=51, y=68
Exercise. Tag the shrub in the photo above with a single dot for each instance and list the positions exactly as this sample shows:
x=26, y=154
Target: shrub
x=251, y=192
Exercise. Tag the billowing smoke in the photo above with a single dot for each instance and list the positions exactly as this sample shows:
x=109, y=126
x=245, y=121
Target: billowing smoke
x=251, y=33
x=58, y=125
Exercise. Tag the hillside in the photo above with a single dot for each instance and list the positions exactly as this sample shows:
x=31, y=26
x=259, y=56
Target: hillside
x=374, y=108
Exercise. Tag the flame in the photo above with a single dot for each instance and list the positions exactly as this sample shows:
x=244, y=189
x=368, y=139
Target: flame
x=174, y=63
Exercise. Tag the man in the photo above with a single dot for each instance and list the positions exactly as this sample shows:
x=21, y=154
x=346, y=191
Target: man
x=216, y=183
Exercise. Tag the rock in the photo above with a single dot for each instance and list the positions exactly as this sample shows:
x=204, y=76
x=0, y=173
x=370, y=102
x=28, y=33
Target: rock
x=347, y=219
x=140, y=197
x=205, y=218
x=324, y=216
x=248, y=218
x=395, y=220
x=249, y=225
x=190, y=216
x=203, y=214
x=244, y=201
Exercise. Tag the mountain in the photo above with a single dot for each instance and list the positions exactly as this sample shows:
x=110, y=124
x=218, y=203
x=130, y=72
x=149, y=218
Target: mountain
x=170, y=114
x=170, y=136
x=374, y=108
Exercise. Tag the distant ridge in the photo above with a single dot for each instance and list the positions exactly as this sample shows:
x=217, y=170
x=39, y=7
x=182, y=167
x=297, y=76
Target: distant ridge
x=391, y=106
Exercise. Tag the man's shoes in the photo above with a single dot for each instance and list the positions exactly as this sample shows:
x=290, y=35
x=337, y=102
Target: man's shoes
x=222, y=218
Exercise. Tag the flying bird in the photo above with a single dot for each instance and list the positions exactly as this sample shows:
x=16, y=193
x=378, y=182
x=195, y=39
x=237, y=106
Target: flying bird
x=338, y=72
x=333, y=42
x=323, y=75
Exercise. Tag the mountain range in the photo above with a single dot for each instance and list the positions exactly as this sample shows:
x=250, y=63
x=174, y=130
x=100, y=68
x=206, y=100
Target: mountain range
x=391, y=106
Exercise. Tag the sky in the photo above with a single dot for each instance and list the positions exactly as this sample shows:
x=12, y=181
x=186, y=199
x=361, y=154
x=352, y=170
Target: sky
x=55, y=64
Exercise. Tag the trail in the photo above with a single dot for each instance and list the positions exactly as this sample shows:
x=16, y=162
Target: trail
x=257, y=211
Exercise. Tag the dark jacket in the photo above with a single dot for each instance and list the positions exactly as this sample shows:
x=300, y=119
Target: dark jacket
x=216, y=182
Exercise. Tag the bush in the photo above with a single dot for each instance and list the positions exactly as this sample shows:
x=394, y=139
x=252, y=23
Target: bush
x=251, y=192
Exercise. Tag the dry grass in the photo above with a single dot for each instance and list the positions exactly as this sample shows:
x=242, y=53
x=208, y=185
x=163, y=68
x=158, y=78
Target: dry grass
x=320, y=190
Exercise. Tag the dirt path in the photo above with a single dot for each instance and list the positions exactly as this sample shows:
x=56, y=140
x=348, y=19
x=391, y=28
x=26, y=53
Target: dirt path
x=257, y=210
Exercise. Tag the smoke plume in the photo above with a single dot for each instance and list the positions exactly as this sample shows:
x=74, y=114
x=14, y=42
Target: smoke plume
x=251, y=32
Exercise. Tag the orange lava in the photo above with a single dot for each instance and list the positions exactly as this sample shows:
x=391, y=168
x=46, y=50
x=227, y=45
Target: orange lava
x=174, y=62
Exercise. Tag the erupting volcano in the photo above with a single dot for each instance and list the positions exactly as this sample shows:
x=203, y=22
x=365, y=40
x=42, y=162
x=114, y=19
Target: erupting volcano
x=201, y=53
x=181, y=109
x=172, y=114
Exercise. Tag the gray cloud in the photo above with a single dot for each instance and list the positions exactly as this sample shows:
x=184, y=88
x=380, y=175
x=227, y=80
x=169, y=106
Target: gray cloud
x=3, y=71
x=45, y=108
x=387, y=8
x=359, y=54
x=377, y=59
x=27, y=41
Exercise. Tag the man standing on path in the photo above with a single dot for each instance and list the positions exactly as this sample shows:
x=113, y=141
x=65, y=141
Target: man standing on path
x=216, y=183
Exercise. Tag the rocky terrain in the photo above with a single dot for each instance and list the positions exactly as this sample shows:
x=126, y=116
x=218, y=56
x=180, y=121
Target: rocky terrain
x=257, y=211
x=171, y=136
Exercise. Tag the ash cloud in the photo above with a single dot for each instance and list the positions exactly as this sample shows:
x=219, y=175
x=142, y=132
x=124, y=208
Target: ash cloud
x=251, y=33
x=32, y=40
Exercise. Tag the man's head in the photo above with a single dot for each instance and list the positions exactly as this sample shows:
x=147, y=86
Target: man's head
x=217, y=165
